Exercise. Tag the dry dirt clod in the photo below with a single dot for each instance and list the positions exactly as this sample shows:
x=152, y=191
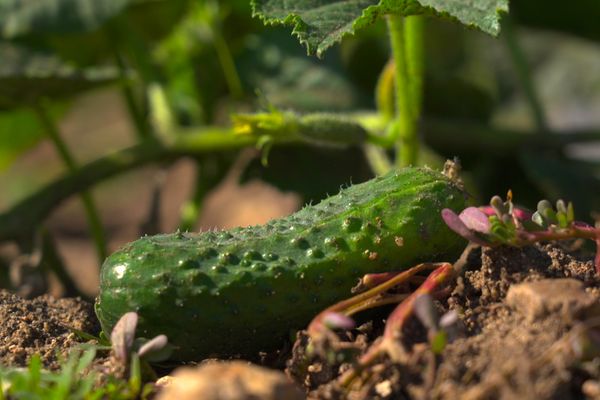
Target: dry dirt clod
x=566, y=297
x=591, y=389
x=235, y=380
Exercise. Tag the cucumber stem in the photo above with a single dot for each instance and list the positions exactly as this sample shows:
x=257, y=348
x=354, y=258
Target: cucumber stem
x=406, y=36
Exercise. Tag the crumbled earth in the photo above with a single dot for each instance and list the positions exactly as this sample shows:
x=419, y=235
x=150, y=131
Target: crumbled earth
x=528, y=326
x=505, y=349
x=41, y=326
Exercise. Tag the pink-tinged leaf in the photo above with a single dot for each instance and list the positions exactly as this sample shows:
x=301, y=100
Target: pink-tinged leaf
x=522, y=214
x=334, y=320
x=582, y=225
x=457, y=225
x=424, y=309
x=519, y=213
x=153, y=346
x=475, y=220
x=487, y=210
x=123, y=334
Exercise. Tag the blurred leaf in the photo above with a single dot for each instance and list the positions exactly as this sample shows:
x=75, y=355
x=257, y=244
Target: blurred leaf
x=275, y=64
x=322, y=23
x=564, y=179
x=123, y=335
x=577, y=17
x=456, y=97
x=90, y=44
x=19, y=18
x=308, y=171
x=19, y=131
x=26, y=76
x=41, y=17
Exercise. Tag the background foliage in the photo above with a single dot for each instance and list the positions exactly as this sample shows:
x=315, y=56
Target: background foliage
x=518, y=110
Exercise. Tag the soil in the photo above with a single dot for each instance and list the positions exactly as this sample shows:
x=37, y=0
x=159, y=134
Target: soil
x=504, y=347
x=41, y=326
x=501, y=352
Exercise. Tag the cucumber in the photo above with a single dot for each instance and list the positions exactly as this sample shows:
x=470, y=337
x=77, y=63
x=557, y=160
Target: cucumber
x=241, y=291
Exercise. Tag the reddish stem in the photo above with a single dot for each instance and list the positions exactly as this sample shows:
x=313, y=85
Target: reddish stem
x=361, y=300
x=397, y=319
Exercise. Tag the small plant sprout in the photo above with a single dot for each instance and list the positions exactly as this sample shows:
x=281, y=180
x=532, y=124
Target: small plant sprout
x=129, y=350
x=440, y=330
x=503, y=223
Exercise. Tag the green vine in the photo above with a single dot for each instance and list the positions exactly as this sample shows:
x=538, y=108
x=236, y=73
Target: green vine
x=93, y=217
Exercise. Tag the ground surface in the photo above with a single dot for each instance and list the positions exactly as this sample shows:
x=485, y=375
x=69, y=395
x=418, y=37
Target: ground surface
x=507, y=349
x=535, y=343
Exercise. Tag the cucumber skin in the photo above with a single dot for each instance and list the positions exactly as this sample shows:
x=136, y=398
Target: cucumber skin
x=238, y=292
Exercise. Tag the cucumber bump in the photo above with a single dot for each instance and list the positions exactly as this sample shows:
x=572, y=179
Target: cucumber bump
x=241, y=291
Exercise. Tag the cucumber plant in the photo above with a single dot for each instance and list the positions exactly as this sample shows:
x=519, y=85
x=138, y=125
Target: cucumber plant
x=247, y=283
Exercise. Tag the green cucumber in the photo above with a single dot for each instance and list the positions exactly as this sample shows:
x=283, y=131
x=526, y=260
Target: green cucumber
x=241, y=291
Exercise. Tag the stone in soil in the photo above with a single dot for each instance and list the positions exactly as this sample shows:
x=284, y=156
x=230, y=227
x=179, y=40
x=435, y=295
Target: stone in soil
x=564, y=297
x=234, y=380
x=41, y=326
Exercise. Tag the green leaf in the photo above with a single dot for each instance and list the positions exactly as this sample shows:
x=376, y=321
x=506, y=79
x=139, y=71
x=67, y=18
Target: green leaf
x=18, y=18
x=563, y=178
x=87, y=31
x=26, y=76
x=287, y=79
x=319, y=24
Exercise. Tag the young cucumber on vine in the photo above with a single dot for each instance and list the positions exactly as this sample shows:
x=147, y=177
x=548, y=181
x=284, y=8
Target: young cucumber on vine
x=242, y=291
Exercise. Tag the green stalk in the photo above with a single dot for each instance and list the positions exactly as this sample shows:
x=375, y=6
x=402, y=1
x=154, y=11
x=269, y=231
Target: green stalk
x=377, y=158
x=404, y=127
x=21, y=219
x=415, y=60
x=226, y=59
x=139, y=121
x=209, y=172
x=521, y=65
x=232, y=77
x=56, y=265
x=86, y=198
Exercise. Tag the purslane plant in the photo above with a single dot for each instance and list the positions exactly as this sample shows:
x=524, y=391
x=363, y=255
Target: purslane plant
x=503, y=223
x=499, y=223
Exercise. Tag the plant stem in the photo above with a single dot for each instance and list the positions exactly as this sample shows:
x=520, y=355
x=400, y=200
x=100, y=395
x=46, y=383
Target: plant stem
x=415, y=60
x=377, y=158
x=225, y=58
x=20, y=220
x=223, y=53
x=521, y=65
x=56, y=265
x=384, y=96
x=88, y=202
x=209, y=172
x=139, y=121
x=404, y=128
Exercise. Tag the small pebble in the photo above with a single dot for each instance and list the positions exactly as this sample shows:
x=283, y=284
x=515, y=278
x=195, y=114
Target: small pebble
x=234, y=380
